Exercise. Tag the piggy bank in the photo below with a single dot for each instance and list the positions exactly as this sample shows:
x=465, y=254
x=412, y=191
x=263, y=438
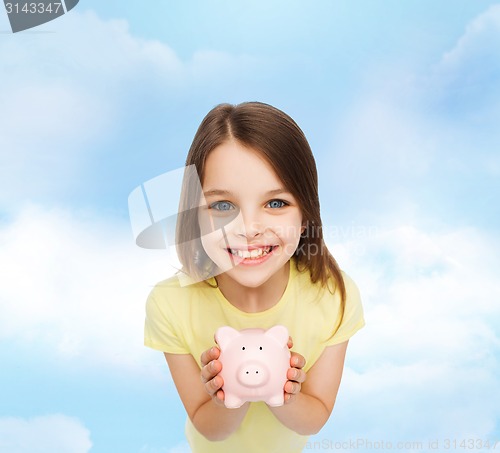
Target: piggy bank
x=254, y=364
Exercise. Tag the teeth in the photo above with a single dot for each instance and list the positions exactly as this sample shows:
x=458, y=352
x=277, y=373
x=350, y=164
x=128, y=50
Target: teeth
x=255, y=253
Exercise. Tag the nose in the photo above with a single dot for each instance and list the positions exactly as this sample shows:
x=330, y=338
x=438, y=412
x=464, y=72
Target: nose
x=250, y=225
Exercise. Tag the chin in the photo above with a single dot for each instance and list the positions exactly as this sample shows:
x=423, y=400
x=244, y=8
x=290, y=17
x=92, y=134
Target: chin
x=248, y=281
x=252, y=277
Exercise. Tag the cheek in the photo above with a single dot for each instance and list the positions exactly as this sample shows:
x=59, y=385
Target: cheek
x=214, y=245
x=205, y=222
x=212, y=241
x=292, y=225
x=288, y=230
x=212, y=223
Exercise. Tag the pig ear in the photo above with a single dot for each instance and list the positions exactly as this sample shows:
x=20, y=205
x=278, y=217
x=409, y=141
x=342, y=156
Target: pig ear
x=225, y=335
x=279, y=334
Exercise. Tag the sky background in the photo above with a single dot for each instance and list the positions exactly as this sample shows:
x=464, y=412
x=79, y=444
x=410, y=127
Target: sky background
x=401, y=104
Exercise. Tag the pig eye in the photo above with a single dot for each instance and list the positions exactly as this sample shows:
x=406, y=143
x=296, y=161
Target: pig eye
x=243, y=348
x=260, y=348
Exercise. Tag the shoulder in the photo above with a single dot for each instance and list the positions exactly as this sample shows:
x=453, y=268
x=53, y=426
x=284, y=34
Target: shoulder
x=326, y=292
x=174, y=294
x=349, y=315
x=167, y=317
x=351, y=289
x=178, y=285
x=303, y=277
x=352, y=317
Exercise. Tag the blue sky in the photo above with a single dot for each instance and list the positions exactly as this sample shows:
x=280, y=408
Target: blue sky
x=400, y=102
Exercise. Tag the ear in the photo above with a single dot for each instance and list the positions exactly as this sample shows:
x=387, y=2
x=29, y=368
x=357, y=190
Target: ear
x=225, y=335
x=278, y=334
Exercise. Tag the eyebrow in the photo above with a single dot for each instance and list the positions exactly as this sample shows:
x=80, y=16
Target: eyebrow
x=219, y=192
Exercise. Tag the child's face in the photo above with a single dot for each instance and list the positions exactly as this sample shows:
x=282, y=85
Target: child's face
x=251, y=224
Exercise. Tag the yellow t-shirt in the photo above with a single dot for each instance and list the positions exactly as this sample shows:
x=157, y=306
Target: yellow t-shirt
x=183, y=320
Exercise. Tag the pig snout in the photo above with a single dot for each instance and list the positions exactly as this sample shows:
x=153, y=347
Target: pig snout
x=253, y=374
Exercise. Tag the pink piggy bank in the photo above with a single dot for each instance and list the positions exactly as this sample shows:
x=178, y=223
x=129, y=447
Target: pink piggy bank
x=254, y=364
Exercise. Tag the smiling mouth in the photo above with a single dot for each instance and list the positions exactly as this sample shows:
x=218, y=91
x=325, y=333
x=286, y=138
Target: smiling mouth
x=252, y=254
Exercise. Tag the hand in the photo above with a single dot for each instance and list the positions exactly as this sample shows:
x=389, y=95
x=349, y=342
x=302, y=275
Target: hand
x=295, y=374
x=210, y=369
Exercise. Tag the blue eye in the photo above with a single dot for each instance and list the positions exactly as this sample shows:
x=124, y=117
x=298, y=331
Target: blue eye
x=277, y=204
x=222, y=206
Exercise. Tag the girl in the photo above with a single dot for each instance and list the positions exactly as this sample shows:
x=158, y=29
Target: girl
x=250, y=239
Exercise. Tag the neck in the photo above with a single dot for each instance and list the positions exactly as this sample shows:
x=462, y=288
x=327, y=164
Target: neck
x=254, y=300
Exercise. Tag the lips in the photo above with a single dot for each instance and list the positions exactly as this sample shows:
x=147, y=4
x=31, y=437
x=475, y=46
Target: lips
x=252, y=252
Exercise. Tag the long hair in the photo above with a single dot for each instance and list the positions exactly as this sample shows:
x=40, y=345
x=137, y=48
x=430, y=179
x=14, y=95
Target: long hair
x=279, y=140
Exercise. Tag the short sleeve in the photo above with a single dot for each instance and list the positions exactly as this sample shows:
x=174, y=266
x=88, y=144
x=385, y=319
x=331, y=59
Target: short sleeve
x=353, y=318
x=161, y=328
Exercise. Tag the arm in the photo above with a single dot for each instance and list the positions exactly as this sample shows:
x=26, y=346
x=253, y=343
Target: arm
x=199, y=395
x=309, y=405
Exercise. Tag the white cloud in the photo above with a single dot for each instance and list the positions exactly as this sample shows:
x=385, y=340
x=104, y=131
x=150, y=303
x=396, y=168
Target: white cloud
x=70, y=91
x=427, y=359
x=49, y=433
x=183, y=447
x=464, y=83
x=44, y=128
x=475, y=55
x=76, y=287
x=422, y=142
x=208, y=66
x=382, y=138
x=427, y=363
x=415, y=152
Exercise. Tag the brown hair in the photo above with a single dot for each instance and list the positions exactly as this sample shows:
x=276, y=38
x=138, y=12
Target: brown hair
x=278, y=139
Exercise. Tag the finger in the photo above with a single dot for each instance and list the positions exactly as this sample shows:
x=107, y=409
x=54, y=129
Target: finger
x=214, y=385
x=294, y=374
x=297, y=360
x=210, y=354
x=210, y=370
x=292, y=387
x=220, y=395
x=290, y=343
